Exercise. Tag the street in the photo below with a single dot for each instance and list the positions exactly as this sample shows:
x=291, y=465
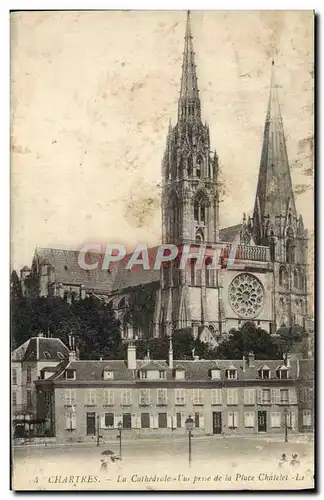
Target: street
x=157, y=456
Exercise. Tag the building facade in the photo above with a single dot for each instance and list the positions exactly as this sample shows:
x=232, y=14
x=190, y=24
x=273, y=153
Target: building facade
x=262, y=274
x=86, y=399
x=27, y=363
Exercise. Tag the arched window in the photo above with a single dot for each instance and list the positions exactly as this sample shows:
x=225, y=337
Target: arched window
x=301, y=281
x=290, y=247
x=200, y=209
x=189, y=162
x=193, y=272
x=208, y=273
x=296, y=279
x=176, y=216
x=283, y=277
x=122, y=303
x=199, y=237
x=199, y=166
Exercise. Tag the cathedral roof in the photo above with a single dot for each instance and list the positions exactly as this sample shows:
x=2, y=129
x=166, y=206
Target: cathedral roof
x=274, y=190
x=228, y=234
x=66, y=269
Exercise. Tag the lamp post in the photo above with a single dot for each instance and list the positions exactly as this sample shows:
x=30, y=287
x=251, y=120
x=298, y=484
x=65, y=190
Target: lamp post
x=98, y=430
x=189, y=426
x=119, y=436
x=286, y=425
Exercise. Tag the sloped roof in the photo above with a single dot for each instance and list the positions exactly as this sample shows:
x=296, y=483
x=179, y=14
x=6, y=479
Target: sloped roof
x=35, y=348
x=195, y=371
x=227, y=234
x=66, y=269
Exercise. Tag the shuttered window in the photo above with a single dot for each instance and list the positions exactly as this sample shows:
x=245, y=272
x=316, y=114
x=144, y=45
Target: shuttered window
x=90, y=397
x=307, y=418
x=109, y=420
x=180, y=397
x=162, y=397
x=69, y=397
x=232, y=419
x=216, y=396
x=275, y=419
x=232, y=396
x=249, y=396
x=108, y=397
x=249, y=419
x=70, y=421
x=126, y=397
x=144, y=397
x=198, y=397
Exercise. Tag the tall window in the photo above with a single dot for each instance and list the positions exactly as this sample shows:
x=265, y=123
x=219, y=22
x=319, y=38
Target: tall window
x=28, y=375
x=200, y=209
x=283, y=277
x=208, y=273
x=29, y=399
x=296, y=279
x=14, y=376
x=176, y=215
x=199, y=166
x=290, y=247
x=193, y=272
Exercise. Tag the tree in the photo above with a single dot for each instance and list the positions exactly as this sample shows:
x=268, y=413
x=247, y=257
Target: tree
x=93, y=324
x=140, y=310
x=241, y=342
x=289, y=339
x=15, y=287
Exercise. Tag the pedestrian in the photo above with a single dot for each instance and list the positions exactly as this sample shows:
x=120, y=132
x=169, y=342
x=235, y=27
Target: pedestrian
x=295, y=462
x=283, y=460
x=104, y=465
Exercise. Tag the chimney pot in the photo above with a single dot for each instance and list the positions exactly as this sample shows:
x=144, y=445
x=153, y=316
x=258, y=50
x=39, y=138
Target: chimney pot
x=131, y=357
x=251, y=357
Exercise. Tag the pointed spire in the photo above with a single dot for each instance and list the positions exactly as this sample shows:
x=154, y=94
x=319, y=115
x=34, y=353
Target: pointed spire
x=189, y=102
x=274, y=189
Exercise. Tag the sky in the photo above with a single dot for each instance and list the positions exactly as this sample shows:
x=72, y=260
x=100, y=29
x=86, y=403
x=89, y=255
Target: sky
x=91, y=98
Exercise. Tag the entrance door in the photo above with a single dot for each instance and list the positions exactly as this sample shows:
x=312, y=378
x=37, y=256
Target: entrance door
x=262, y=421
x=91, y=424
x=127, y=420
x=217, y=422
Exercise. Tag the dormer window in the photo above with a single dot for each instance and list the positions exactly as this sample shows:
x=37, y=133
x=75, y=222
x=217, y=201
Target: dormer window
x=282, y=372
x=231, y=373
x=46, y=355
x=264, y=372
x=143, y=374
x=108, y=374
x=70, y=374
x=179, y=374
x=162, y=374
x=215, y=374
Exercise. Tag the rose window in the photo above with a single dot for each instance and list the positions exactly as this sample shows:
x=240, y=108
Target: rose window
x=246, y=295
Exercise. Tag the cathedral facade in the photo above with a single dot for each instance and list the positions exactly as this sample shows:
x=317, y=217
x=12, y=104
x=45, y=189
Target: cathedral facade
x=261, y=278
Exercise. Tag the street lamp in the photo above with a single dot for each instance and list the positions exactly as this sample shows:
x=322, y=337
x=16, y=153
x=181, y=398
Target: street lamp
x=189, y=426
x=98, y=430
x=286, y=425
x=120, y=426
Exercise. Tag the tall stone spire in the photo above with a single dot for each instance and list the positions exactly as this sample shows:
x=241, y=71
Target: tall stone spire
x=274, y=195
x=189, y=102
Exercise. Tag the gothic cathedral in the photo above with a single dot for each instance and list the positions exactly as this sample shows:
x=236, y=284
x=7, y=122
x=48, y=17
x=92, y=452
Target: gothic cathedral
x=262, y=277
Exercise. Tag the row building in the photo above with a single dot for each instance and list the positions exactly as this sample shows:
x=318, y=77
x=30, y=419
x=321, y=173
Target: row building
x=80, y=400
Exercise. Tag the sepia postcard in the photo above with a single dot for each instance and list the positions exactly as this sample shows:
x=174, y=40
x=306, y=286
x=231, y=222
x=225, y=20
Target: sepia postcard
x=162, y=250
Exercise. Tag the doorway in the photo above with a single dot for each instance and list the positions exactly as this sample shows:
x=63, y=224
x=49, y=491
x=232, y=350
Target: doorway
x=91, y=424
x=217, y=422
x=262, y=421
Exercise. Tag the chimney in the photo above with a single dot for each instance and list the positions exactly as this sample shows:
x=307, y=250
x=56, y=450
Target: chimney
x=170, y=354
x=251, y=357
x=243, y=364
x=147, y=356
x=72, y=356
x=131, y=357
x=287, y=360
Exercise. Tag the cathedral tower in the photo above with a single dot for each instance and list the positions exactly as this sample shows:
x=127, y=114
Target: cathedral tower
x=190, y=210
x=190, y=203
x=276, y=223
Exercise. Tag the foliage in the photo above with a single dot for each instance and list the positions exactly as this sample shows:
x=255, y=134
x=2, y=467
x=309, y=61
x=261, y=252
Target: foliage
x=93, y=324
x=140, y=310
x=240, y=342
